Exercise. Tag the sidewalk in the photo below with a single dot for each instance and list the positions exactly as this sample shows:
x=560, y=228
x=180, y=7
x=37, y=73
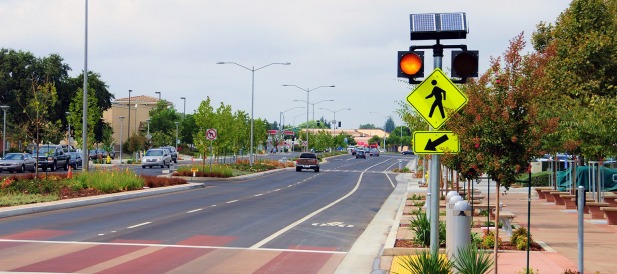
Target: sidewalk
x=551, y=225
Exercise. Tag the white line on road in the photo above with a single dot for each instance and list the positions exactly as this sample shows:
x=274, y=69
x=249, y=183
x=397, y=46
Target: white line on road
x=138, y=225
x=194, y=210
x=232, y=201
x=296, y=223
x=257, y=195
x=278, y=189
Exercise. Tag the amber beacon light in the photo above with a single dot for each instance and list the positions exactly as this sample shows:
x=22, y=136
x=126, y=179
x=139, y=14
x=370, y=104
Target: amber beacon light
x=410, y=64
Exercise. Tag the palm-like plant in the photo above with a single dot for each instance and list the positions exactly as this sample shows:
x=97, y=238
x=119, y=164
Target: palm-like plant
x=424, y=262
x=470, y=260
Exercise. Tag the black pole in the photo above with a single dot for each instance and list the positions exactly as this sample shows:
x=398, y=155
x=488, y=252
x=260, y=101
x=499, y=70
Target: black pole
x=488, y=202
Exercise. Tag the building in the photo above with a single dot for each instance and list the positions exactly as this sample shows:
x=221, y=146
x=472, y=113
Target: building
x=139, y=108
x=361, y=136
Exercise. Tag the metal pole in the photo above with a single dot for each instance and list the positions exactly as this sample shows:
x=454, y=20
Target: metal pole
x=84, y=124
x=528, y=214
x=121, y=122
x=4, y=134
x=435, y=176
x=251, y=161
x=581, y=228
x=184, y=109
x=307, y=123
x=128, y=132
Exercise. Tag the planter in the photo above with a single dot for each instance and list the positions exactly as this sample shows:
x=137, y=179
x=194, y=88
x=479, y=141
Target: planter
x=611, y=214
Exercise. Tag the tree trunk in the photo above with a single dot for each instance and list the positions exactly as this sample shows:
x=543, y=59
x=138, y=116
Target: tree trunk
x=496, y=224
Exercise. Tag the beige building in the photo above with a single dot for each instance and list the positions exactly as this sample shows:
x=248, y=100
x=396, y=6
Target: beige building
x=361, y=136
x=139, y=108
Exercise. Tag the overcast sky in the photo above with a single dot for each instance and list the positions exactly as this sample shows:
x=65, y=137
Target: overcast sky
x=172, y=46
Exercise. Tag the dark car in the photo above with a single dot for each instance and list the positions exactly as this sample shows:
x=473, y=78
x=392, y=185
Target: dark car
x=19, y=162
x=76, y=160
x=407, y=152
x=360, y=154
x=95, y=154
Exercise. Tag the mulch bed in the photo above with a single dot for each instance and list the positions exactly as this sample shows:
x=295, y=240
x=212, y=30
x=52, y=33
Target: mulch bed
x=504, y=246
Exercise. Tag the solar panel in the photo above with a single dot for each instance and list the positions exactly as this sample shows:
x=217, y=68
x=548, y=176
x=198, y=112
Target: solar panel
x=430, y=26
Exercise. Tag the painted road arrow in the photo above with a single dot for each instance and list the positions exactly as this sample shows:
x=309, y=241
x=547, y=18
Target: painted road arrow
x=432, y=145
x=435, y=142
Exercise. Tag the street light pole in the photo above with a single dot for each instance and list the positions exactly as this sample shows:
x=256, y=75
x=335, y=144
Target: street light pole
x=307, y=109
x=184, y=109
x=4, y=108
x=334, y=112
x=121, y=122
x=252, y=69
x=68, y=135
x=84, y=117
x=281, y=129
x=128, y=132
x=176, y=142
x=148, y=136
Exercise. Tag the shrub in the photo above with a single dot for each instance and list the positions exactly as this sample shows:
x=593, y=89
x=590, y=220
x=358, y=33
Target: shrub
x=425, y=262
x=220, y=171
x=472, y=261
x=421, y=227
x=488, y=239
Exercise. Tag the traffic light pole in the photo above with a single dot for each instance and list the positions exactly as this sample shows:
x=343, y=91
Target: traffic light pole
x=435, y=173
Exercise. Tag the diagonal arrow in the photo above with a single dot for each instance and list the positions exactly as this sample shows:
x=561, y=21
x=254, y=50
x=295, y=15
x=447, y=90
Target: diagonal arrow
x=432, y=145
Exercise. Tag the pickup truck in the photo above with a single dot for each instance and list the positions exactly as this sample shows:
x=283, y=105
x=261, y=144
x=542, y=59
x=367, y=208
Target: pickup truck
x=52, y=157
x=307, y=161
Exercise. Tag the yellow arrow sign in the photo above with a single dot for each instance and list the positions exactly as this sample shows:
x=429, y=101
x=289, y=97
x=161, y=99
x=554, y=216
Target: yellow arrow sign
x=435, y=142
x=436, y=98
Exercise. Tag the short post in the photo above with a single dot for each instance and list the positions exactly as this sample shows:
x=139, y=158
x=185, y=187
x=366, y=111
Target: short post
x=400, y=165
x=581, y=225
x=462, y=227
x=427, y=205
x=452, y=197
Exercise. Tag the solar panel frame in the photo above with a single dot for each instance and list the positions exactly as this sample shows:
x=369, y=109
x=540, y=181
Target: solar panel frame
x=430, y=26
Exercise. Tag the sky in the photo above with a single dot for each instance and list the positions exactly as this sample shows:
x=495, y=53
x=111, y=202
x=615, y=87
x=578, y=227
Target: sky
x=173, y=46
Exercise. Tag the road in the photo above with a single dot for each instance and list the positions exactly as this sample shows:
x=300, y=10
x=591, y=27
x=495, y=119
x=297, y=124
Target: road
x=286, y=222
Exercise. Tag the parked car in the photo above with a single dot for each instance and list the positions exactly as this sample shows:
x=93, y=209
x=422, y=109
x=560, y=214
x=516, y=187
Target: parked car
x=156, y=157
x=95, y=154
x=360, y=154
x=174, y=153
x=76, y=160
x=374, y=152
x=19, y=162
x=52, y=157
x=407, y=152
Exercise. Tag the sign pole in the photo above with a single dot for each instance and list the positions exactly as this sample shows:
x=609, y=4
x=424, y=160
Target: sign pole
x=435, y=174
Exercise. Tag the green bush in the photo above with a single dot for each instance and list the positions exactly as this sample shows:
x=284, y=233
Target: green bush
x=470, y=260
x=421, y=227
x=488, y=239
x=537, y=179
x=519, y=238
x=425, y=262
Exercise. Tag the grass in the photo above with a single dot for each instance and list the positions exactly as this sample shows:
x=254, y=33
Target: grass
x=28, y=189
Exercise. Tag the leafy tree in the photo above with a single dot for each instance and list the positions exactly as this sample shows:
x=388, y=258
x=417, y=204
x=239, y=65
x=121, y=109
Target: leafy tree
x=188, y=128
x=389, y=126
x=375, y=140
x=97, y=89
x=76, y=119
x=162, y=124
x=367, y=126
x=583, y=68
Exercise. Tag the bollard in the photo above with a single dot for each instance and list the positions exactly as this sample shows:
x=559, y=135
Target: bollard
x=400, y=165
x=462, y=227
x=452, y=197
x=427, y=205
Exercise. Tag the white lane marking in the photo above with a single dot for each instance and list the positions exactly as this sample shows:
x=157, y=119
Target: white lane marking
x=232, y=201
x=194, y=210
x=138, y=225
x=290, y=185
x=278, y=189
x=296, y=223
x=213, y=205
x=165, y=245
x=257, y=195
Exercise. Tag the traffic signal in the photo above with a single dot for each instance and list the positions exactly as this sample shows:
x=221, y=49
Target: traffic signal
x=318, y=124
x=339, y=124
x=464, y=63
x=411, y=65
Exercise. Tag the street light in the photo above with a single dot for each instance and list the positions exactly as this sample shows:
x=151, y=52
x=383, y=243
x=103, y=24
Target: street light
x=4, y=108
x=335, y=111
x=307, y=109
x=121, y=121
x=184, y=109
x=68, y=135
x=252, y=69
x=148, y=136
x=128, y=133
x=176, y=144
x=159, y=93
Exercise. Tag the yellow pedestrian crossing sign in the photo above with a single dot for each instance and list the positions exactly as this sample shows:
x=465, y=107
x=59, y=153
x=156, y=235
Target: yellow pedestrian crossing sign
x=436, y=99
x=435, y=142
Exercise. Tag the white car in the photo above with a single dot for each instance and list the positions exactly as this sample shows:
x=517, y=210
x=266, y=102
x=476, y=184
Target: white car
x=156, y=157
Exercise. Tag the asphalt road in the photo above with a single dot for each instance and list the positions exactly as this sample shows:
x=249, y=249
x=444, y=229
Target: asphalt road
x=279, y=223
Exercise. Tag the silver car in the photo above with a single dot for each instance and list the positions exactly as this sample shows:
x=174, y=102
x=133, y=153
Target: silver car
x=156, y=157
x=19, y=162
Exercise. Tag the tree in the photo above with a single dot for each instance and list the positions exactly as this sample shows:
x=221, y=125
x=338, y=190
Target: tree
x=389, y=126
x=583, y=69
x=76, y=120
x=500, y=128
x=162, y=124
x=367, y=126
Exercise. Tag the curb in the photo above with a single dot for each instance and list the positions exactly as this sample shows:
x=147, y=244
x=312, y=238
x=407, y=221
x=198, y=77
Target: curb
x=77, y=202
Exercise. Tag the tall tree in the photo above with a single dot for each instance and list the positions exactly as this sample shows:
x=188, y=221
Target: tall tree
x=389, y=126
